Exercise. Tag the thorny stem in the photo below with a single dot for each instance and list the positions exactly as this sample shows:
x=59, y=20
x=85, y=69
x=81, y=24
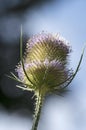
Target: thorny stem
x=38, y=107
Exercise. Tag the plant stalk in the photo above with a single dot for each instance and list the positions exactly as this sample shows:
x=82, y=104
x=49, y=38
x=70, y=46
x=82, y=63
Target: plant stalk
x=38, y=107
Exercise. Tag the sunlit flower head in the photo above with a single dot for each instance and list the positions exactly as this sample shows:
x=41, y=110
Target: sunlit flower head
x=45, y=64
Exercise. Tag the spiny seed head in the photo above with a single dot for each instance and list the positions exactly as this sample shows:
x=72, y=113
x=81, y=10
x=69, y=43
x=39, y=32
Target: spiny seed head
x=45, y=63
x=49, y=46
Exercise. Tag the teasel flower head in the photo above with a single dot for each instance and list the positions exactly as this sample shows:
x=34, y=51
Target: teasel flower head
x=44, y=67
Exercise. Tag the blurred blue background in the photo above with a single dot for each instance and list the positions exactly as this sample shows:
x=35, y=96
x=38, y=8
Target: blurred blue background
x=56, y=16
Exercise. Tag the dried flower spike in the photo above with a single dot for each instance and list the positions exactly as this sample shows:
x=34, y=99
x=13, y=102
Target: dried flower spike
x=44, y=68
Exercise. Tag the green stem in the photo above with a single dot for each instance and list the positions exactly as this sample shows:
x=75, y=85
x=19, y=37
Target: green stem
x=38, y=107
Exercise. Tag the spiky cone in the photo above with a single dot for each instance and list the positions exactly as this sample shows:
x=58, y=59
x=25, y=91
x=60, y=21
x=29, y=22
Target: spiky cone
x=44, y=68
x=45, y=63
